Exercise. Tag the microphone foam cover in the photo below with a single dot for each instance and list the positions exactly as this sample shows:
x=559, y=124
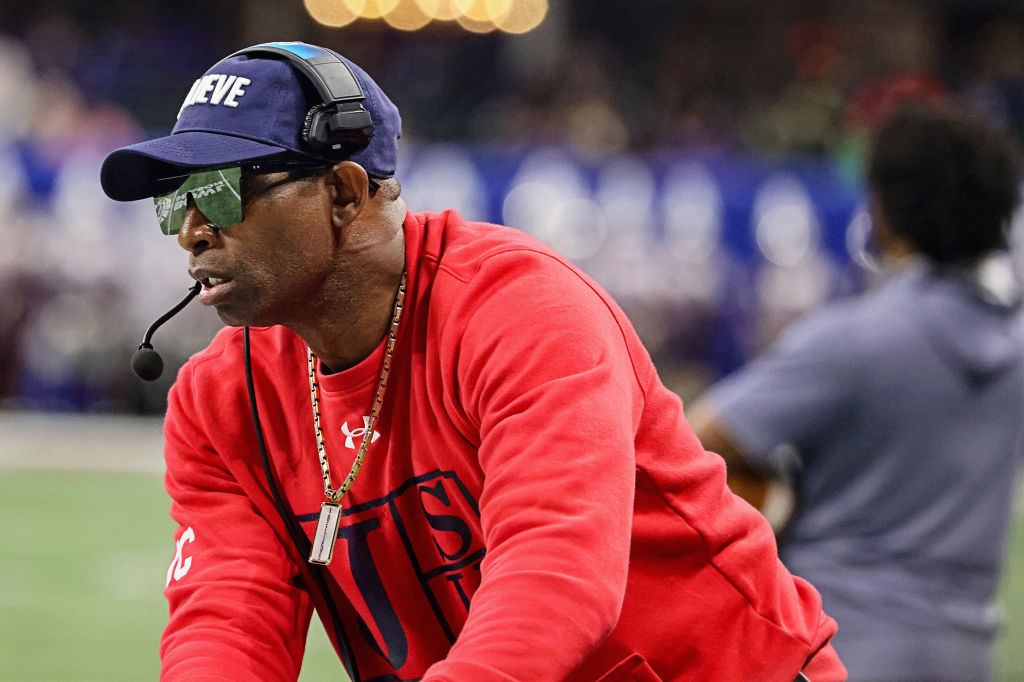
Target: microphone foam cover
x=147, y=364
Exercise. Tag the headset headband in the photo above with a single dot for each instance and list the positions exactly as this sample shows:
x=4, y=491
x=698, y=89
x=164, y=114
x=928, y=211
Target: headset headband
x=332, y=77
x=340, y=123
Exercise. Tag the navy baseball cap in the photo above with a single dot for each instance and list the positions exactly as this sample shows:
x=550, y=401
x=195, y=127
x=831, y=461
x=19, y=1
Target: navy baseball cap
x=247, y=107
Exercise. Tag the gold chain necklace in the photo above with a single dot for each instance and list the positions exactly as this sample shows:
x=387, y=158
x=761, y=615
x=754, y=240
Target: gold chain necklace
x=330, y=511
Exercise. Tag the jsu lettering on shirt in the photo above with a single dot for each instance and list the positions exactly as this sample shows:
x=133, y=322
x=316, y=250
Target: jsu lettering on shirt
x=215, y=89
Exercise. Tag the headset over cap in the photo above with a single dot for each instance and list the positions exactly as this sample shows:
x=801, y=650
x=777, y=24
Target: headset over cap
x=263, y=101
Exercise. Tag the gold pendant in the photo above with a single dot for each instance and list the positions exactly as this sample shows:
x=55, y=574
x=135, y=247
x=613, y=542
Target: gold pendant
x=326, y=534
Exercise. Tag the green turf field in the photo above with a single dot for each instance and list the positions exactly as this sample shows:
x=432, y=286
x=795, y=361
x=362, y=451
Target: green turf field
x=83, y=558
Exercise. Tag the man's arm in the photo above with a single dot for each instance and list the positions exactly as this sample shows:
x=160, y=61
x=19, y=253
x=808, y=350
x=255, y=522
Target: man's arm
x=237, y=608
x=544, y=375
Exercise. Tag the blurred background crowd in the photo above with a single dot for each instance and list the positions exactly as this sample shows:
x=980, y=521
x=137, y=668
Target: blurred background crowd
x=701, y=159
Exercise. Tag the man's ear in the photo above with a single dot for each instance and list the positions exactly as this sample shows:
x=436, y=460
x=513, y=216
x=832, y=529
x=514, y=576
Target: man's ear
x=887, y=241
x=350, y=192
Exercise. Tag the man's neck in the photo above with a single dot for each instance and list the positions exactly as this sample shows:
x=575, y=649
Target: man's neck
x=355, y=313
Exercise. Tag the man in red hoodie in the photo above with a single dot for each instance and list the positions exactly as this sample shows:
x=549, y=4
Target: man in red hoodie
x=524, y=499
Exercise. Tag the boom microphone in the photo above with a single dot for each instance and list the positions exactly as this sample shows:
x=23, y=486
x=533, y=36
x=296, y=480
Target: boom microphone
x=146, y=362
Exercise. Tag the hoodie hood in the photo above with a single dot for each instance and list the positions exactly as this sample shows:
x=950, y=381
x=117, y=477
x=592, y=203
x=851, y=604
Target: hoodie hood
x=970, y=315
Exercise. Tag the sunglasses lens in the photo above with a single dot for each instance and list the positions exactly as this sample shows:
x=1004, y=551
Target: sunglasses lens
x=216, y=195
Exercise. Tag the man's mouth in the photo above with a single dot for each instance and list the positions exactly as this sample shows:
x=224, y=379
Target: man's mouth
x=215, y=289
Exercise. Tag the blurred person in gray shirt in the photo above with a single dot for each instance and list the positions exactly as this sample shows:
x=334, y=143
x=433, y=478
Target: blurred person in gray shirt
x=896, y=416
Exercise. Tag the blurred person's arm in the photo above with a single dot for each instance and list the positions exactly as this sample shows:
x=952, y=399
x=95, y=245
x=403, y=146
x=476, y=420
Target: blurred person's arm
x=772, y=417
x=749, y=481
x=764, y=488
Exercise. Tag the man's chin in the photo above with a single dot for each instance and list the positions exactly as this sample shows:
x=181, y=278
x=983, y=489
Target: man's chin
x=233, y=317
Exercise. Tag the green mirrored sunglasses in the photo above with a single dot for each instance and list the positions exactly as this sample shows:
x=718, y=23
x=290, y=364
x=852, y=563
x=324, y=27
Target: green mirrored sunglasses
x=216, y=193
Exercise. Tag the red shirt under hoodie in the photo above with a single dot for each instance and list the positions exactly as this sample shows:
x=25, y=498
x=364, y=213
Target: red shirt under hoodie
x=535, y=506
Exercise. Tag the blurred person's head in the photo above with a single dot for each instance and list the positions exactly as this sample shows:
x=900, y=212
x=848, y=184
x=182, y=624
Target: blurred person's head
x=943, y=184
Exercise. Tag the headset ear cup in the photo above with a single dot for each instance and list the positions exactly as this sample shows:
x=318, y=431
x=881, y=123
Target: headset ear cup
x=336, y=132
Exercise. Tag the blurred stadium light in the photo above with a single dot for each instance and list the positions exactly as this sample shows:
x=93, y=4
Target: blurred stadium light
x=785, y=225
x=691, y=204
x=475, y=16
x=442, y=177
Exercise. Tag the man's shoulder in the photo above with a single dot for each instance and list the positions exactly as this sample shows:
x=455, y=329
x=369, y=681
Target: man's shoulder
x=221, y=363
x=461, y=248
x=478, y=262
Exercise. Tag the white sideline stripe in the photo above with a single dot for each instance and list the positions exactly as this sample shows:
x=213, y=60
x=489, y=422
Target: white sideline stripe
x=81, y=442
x=56, y=441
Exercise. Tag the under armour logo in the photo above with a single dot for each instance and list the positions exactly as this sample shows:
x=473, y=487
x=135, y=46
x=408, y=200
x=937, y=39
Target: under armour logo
x=180, y=565
x=351, y=435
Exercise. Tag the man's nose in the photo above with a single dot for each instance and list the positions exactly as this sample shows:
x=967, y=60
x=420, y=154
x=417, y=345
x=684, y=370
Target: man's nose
x=197, y=233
